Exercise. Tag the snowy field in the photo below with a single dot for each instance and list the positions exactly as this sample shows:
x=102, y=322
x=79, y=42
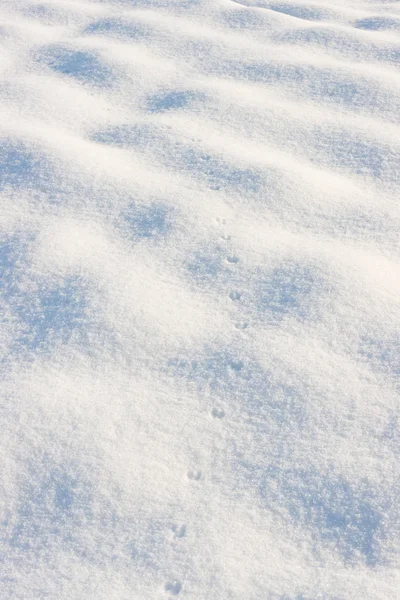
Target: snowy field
x=200, y=299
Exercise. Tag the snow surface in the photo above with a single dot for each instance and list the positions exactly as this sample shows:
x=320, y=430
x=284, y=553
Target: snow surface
x=200, y=299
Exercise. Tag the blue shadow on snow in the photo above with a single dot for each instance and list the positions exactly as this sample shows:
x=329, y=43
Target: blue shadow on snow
x=22, y=167
x=84, y=66
x=331, y=508
x=117, y=28
x=171, y=100
x=149, y=221
x=214, y=170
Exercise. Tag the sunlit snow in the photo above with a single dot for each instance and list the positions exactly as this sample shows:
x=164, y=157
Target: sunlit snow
x=200, y=299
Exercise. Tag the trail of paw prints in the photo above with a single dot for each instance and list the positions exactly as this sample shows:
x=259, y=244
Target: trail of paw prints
x=178, y=534
x=236, y=297
x=195, y=476
x=232, y=259
x=173, y=587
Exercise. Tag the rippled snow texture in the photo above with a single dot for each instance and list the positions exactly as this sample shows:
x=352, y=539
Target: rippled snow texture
x=200, y=299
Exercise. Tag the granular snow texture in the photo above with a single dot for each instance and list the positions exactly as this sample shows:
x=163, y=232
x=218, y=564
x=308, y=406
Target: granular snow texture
x=200, y=299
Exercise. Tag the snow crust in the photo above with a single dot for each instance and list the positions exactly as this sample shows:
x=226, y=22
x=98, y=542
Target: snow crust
x=200, y=299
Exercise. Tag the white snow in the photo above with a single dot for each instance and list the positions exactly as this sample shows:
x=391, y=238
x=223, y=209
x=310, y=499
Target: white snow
x=200, y=299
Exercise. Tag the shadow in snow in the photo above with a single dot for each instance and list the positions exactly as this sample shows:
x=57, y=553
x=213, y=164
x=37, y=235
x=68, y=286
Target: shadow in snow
x=84, y=66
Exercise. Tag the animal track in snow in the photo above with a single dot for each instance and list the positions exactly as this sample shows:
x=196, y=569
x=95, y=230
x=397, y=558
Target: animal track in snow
x=217, y=413
x=179, y=531
x=232, y=259
x=236, y=365
x=173, y=588
x=194, y=475
x=234, y=295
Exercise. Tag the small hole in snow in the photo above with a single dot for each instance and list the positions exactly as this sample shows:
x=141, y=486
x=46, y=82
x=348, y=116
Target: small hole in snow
x=194, y=475
x=242, y=325
x=232, y=259
x=218, y=413
x=235, y=295
x=173, y=588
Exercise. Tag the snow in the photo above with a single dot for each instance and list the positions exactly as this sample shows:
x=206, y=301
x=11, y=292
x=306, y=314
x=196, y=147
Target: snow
x=200, y=299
